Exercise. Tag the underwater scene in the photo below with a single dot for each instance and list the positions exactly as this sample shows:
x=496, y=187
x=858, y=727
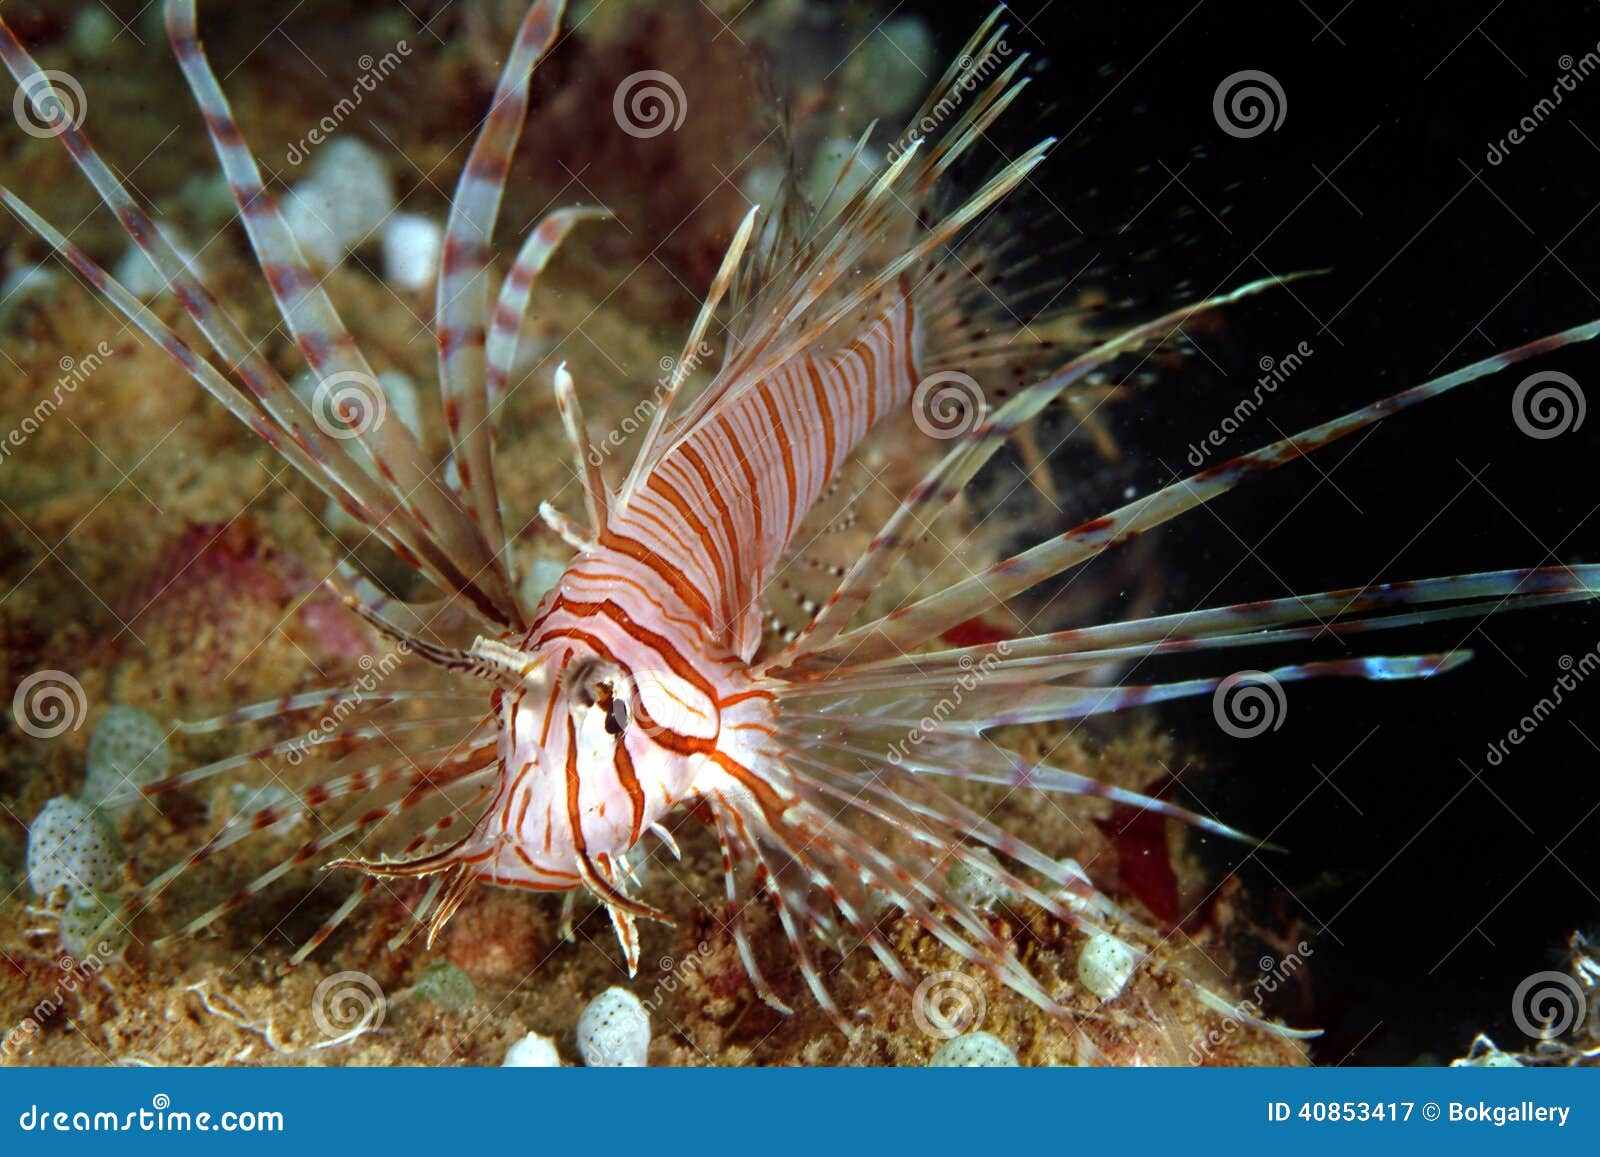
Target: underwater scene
x=799, y=533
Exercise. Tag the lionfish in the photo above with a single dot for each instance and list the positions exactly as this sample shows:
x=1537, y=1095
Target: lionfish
x=645, y=680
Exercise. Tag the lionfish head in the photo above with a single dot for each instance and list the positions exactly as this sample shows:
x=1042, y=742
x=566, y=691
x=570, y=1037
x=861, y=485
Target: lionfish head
x=593, y=752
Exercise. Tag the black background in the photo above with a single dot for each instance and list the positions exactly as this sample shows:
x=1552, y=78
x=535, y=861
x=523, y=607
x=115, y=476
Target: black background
x=1430, y=893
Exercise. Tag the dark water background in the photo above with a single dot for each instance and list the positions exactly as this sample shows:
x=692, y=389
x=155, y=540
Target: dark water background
x=1432, y=893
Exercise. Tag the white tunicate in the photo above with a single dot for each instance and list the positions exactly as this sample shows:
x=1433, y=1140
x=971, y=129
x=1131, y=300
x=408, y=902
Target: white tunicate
x=411, y=247
x=900, y=61
x=836, y=173
x=251, y=799
x=973, y=1050
x=542, y=575
x=24, y=285
x=359, y=186
x=71, y=845
x=614, y=1031
x=1081, y=901
x=1497, y=1060
x=309, y=213
x=1105, y=965
x=532, y=1052
x=91, y=925
x=141, y=278
x=1485, y=1054
x=976, y=881
x=761, y=183
x=403, y=398
x=207, y=198
x=94, y=32
x=127, y=752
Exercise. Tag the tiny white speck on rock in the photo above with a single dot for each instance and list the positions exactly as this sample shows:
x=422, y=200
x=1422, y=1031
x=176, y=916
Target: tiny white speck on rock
x=614, y=1031
x=973, y=1050
x=127, y=752
x=1105, y=965
x=532, y=1052
x=72, y=846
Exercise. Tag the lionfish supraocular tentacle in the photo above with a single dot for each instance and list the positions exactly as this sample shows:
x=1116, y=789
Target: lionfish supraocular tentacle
x=634, y=687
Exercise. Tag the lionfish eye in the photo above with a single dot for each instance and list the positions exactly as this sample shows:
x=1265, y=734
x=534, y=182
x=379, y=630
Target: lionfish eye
x=616, y=716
